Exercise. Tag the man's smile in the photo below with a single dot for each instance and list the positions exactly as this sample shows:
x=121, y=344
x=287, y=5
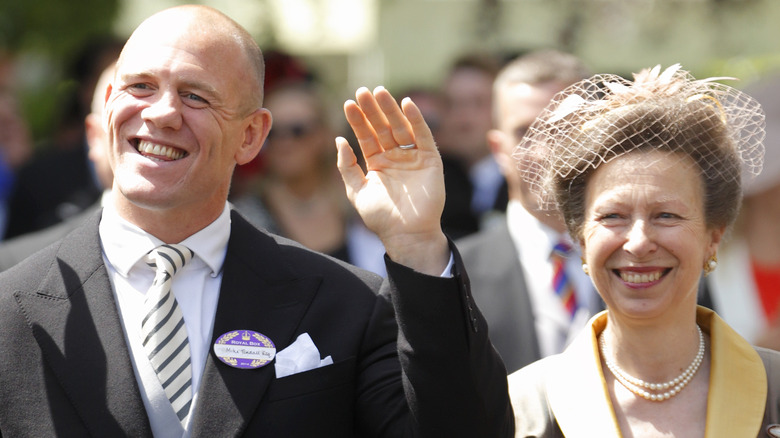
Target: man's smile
x=159, y=152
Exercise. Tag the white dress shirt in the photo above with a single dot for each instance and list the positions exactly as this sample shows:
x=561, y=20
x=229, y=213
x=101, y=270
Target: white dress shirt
x=486, y=180
x=534, y=242
x=196, y=287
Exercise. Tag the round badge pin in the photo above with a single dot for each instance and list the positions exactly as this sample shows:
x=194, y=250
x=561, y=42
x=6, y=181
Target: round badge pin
x=245, y=349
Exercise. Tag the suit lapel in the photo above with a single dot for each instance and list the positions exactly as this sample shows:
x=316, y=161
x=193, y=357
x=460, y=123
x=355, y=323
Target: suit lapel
x=259, y=292
x=75, y=321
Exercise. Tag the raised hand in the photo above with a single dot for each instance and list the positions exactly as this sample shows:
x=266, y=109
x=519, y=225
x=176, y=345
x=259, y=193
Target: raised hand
x=401, y=195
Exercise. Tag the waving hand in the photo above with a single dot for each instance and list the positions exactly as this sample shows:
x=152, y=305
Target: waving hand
x=401, y=195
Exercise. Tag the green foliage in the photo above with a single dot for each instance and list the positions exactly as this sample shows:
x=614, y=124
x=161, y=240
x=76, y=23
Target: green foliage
x=56, y=27
x=56, y=30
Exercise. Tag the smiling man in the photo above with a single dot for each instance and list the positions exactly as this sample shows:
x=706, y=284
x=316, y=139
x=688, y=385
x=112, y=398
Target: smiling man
x=167, y=314
x=184, y=110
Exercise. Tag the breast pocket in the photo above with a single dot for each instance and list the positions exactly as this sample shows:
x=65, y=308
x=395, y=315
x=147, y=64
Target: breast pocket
x=339, y=375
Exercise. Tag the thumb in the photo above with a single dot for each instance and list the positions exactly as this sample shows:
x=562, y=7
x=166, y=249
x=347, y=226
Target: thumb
x=351, y=173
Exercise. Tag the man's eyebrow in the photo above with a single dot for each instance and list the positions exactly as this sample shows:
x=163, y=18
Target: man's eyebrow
x=184, y=83
x=126, y=76
x=199, y=85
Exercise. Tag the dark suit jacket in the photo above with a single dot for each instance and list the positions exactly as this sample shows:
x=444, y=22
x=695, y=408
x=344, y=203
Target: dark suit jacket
x=501, y=293
x=65, y=368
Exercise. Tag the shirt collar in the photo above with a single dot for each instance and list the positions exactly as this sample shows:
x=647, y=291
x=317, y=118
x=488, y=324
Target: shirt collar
x=125, y=243
x=532, y=233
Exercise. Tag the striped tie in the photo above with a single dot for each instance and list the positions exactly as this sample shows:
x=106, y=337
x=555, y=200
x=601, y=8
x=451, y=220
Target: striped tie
x=561, y=283
x=165, y=336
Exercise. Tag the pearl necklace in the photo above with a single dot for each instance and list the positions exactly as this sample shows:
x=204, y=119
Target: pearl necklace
x=640, y=387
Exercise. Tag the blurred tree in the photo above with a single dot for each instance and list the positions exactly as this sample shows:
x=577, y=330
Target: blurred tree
x=51, y=33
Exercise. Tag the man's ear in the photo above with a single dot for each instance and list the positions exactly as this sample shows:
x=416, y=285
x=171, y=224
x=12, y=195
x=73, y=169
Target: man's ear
x=104, y=119
x=496, y=140
x=256, y=128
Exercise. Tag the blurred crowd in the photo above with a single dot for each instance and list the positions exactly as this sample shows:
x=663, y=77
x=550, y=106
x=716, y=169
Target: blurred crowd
x=480, y=110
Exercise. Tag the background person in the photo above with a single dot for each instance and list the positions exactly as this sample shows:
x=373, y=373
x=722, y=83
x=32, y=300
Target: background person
x=15, y=142
x=647, y=177
x=299, y=193
x=512, y=265
x=750, y=256
x=16, y=249
x=475, y=187
x=70, y=185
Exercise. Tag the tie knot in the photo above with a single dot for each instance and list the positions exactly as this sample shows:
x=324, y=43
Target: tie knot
x=169, y=258
x=561, y=249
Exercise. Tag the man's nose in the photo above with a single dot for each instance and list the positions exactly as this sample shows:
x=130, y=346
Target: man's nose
x=165, y=112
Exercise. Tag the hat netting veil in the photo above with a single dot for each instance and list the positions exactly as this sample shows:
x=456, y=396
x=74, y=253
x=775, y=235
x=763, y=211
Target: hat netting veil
x=600, y=118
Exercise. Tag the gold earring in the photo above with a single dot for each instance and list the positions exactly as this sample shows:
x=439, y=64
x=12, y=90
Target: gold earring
x=585, y=269
x=711, y=264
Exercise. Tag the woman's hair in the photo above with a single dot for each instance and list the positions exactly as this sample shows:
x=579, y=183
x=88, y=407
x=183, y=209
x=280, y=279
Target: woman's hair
x=712, y=126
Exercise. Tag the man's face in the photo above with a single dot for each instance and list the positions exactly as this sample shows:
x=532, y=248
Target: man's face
x=518, y=105
x=174, y=119
x=467, y=115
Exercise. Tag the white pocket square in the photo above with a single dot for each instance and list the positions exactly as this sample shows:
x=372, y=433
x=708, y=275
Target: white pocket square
x=302, y=355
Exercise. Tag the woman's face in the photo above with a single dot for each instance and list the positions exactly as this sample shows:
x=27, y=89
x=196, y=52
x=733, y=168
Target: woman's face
x=645, y=238
x=298, y=142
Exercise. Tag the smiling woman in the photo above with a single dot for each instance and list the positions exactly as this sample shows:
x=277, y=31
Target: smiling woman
x=647, y=176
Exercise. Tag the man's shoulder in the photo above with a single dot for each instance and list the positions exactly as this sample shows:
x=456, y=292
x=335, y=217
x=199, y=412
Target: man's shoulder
x=76, y=255
x=15, y=250
x=280, y=251
x=499, y=232
x=489, y=250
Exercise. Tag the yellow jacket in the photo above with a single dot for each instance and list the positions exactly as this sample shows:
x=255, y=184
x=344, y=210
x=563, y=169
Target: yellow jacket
x=566, y=394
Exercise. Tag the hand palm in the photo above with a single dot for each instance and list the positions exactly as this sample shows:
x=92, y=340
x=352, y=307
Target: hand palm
x=402, y=192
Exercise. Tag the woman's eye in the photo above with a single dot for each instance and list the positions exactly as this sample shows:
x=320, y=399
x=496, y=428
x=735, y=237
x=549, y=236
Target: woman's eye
x=666, y=215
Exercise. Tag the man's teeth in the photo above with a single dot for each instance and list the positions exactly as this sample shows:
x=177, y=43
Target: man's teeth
x=146, y=147
x=640, y=278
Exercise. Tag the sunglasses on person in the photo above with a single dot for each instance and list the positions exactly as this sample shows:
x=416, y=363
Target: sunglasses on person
x=293, y=130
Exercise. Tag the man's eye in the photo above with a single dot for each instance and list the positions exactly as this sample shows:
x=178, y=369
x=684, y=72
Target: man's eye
x=139, y=89
x=196, y=98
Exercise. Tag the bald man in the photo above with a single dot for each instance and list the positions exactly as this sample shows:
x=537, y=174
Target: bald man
x=242, y=333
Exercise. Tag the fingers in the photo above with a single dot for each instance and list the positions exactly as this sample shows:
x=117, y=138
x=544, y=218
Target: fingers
x=364, y=133
x=376, y=117
x=400, y=127
x=378, y=121
x=422, y=132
